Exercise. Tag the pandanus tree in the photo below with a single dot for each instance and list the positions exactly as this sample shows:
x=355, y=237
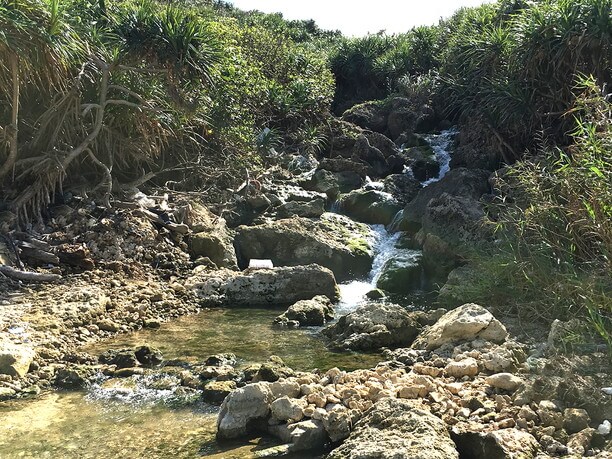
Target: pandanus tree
x=32, y=53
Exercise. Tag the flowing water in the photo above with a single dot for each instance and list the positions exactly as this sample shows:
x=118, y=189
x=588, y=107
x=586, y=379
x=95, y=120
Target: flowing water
x=140, y=422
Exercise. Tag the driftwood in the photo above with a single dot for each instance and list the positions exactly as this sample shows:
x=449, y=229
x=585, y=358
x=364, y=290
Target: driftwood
x=28, y=276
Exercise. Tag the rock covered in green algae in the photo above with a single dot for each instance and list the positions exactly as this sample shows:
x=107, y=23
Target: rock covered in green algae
x=370, y=206
x=316, y=311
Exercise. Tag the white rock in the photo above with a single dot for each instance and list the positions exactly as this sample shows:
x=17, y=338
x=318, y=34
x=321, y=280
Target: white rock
x=504, y=381
x=15, y=359
x=286, y=408
x=241, y=408
x=465, y=367
x=604, y=428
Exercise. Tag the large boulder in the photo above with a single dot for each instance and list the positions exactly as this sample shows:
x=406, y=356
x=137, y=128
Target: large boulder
x=422, y=162
x=262, y=287
x=365, y=152
x=244, y=410
x=313, y=312
x=394, y=429
x=371, y=206
x=334, y=241
x=210, y=238
x=373, y=326
x=322, y=181
x=458, y=182
x=308, y=209
x=465, y=323
x=403, y=273
x=15, y=359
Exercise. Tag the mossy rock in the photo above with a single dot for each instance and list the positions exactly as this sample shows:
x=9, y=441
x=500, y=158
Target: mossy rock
x=402, y=274
x=374, y=207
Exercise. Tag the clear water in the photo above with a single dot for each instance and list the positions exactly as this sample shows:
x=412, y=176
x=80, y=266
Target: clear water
x=441, y=144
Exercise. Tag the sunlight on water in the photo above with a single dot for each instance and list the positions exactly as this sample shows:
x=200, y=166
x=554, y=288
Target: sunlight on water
x=441, y=144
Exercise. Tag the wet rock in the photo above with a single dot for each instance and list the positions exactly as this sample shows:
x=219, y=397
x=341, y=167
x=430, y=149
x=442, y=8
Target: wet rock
x=375, y=207
x=74, y=377
x=465, y=323
x=373, y=326
x=333, y=241
x=575, y=420
x=15, y=359
x=402, y=187
x=452, y=293
x=504, y=381
x=272, y=370
x=307, y=435
x=499, y=444
x=262, y=287
x=243, y=411
x=218, y=360
x=423, y=163
x=148, y=356
x=364, y=151
x=123, y=358
x=216, y=391
x=375, y=294
x=313, y=312
x=402, y=273
x=310, y=209
x=395, y=429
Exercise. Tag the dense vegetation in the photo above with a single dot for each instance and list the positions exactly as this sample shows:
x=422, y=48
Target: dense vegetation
x=108, y=95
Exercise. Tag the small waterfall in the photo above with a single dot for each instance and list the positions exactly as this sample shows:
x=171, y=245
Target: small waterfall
x=440, y=143
x=394, y=226
x=353, y=293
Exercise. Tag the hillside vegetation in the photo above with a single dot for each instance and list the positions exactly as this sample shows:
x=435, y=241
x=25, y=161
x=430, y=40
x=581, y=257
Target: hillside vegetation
x=100, y=97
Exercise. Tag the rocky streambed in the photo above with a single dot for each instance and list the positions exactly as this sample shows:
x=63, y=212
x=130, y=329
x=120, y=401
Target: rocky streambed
x=338, y=349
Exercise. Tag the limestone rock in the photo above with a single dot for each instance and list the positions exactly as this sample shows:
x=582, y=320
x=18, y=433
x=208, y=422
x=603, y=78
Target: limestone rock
x=285, y=409
x=373, y=326
x=465, y=323
x=216, y=391
x=15, y=359
x=334, y=241
x=499, y=444
x=242, y=409
x=316, y=311
x=504, y=381
x=394, y=429
x=575, y=420
x=310, y=209
x=402, y=273
x=466, y=367
x=263, y=287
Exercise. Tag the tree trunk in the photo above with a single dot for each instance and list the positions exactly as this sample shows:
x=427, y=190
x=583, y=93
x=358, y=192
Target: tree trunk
x=13, y=132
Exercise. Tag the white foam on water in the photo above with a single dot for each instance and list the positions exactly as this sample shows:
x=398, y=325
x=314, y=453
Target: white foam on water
x=441, y=144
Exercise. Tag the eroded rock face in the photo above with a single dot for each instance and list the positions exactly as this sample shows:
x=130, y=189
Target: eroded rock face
x=466, y=323
x=317, y=311
x=334, y=241
x=211, y=237
x=458, y=182
x=401, y=273
x=395, y=429
x=373, y=326
x=276, y=286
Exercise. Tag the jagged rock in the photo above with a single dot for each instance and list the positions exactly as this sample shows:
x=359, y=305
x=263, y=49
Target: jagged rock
x=242, y=410
x=465, y=323
x=148, y=355
x=276, y=286
x=504, y=381
x=402, y=273
x=457, y=182
x=322, y=181
x=499, y=444
x=465, y=367
x=452, y=292
x=74, y=377
x=334, y=241
x=375, y=207
x=218, y=360
x=372, y=326
x=211, y=238
x=122, y=358
x=15, y=359
x=309, y=209
x=422, y=162
x=363, y=151
x=317, y=311
x=402, y=187
x=575, y=420
x=288, y=409
x=394, y=429
x=272, y=370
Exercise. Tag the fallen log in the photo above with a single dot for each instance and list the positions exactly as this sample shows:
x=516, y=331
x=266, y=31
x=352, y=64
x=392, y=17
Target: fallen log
x=28, y=276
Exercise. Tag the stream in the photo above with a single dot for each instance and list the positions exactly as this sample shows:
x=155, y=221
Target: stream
x=141, y=422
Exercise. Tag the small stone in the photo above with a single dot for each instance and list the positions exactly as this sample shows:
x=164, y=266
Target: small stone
x=575, y=420
x=152, y=323
x=217, y=391
x=604, y=428
x=108, y=325
x=6, y=393
x=504, y=381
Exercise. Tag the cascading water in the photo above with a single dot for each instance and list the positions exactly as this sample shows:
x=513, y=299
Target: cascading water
x=385, y=240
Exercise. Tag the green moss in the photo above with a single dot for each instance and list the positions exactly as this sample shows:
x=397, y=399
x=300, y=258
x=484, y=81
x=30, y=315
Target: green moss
x=359, y=246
